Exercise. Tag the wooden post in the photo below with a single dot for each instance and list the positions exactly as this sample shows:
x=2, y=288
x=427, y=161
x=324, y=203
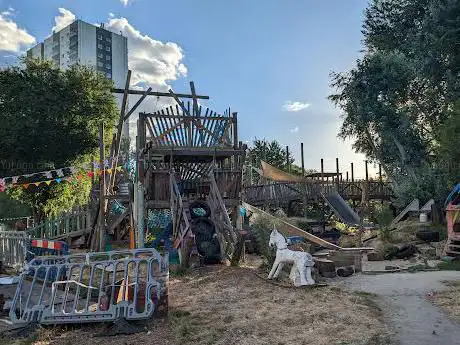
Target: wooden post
x=101, y=189
x=322, y=170
x=347, y=176
x=235, y=130
x=380, y=173
x=93, y=178
x=288, y=165
x=367, y=172
x=301, y=156
x=117, y=139
x=352, y=173
x=337, y=170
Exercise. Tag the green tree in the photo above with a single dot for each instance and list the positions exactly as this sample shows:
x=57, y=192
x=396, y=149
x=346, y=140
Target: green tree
x=51, y=118
x=398, y=99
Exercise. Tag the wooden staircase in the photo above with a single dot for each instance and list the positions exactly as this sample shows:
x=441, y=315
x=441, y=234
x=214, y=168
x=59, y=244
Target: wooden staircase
x=180, y=212
x=452, y=247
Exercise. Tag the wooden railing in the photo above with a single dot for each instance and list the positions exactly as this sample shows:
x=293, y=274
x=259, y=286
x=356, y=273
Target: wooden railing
x=226, y=233
x=283, y=192
x=74, y=223
x=180, y=221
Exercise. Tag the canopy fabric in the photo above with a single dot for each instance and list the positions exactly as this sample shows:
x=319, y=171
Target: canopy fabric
x=275, y=174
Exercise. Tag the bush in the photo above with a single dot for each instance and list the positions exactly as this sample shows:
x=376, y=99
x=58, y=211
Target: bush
x=382, y=215
x=304, y=226
x=260, y=232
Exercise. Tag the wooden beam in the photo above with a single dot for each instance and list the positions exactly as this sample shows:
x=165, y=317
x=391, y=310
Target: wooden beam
x=367, y=172
x=186, y=111
x=158, y=94
x=337, y=169
x=139, y=101
x=117, y=140
x=235, y=130
x=322, y=169
x=195, y=103
x=290, y=229
x=352, y=173
x=101, y=189
x=301, y=157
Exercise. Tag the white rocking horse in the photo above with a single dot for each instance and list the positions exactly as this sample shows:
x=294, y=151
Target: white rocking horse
x=302, y=262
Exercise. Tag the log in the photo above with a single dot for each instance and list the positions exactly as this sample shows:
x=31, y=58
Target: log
x=326, y=268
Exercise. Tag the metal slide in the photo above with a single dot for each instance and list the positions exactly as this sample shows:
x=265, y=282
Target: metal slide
x=414, y=206
x=341, y=208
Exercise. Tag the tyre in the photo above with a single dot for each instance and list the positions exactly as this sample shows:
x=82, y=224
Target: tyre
x=199, y=209
x=406, y=252
x=428, y=235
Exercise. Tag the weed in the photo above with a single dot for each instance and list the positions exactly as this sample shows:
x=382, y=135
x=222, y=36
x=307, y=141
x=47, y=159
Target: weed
x=366, y=294
x=179, y=313
x=368, y=299
x=453, y=284
x=180, y=272
x=449, y=266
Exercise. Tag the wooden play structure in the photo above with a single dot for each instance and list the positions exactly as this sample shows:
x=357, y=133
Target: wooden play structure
x=186, y=156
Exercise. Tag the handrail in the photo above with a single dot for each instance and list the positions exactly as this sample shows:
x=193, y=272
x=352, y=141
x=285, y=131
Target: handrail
x=181, y=225
x=73, y=223
x=224, y=228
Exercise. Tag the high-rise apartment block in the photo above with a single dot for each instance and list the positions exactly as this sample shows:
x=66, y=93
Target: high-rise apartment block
x=89, y=45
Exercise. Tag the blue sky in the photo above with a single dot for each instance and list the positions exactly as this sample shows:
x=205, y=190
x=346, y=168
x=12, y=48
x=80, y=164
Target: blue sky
x=253, y=56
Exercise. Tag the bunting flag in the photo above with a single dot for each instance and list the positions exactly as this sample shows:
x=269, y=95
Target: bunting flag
x=60, y=179
x=61, y=172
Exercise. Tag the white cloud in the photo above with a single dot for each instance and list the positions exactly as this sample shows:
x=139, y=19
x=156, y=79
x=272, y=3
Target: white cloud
x=12, y=37
x=65, y=18
x=8, y=12
x=111, y=15
x=152, y=62
x=294, y=130
x=126, y=2
x=295, y=106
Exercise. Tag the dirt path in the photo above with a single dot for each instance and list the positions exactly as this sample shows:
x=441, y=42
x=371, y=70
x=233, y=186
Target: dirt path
x=414, y=320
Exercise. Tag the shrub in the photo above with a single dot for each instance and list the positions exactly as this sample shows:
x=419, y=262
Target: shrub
x=260, y=231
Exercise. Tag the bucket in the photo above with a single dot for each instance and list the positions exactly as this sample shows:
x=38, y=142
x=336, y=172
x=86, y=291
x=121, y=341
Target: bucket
x=423, y=218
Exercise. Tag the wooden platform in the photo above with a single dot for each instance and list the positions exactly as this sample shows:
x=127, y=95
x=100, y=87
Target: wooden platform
x=282, y=193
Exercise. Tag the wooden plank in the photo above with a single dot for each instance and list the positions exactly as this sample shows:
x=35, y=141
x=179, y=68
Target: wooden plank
x=101, y=190
x=291, y=229
x=187, y=112
x=117, y=141
x=139, y=101
x=158, y=94
x=118, y=220
x=195, y=103
x=235, y=133
x=149, y=127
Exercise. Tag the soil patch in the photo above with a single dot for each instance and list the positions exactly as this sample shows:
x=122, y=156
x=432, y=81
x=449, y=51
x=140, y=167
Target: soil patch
x=449, y=300
x=228, y=305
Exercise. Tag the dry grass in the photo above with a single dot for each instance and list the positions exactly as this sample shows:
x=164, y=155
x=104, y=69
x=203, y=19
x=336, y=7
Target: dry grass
x=449, y=300
x=227, y=305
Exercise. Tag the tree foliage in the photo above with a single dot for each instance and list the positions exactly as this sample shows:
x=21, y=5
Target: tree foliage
x=398, y=101
x=51, y=118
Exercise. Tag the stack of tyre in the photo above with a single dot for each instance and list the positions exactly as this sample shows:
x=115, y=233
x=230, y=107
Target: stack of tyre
x=204, y=229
